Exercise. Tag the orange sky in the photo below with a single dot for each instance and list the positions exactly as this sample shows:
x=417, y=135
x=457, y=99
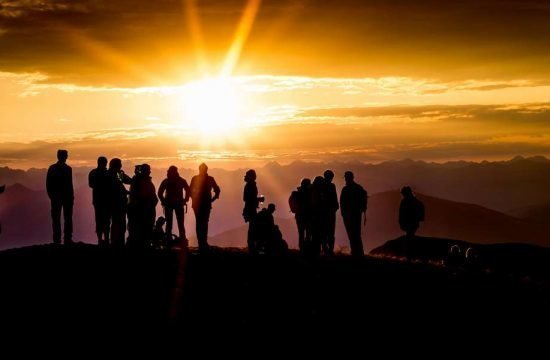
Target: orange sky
x=316, y=80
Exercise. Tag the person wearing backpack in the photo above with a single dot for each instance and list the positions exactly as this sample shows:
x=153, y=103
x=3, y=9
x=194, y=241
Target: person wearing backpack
x=300, y=206
x=411, y=212
x=353, y=204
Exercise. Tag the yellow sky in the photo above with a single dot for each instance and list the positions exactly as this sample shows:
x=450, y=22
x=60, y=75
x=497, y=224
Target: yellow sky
x=315, y=80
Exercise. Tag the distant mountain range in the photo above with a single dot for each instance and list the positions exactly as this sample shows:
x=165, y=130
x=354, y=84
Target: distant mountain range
x=506, y=194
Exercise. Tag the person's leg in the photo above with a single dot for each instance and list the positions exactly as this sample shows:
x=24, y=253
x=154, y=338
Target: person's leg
x=179, y=219
x=118, y=228
x=300, y=223
x=331, y=228
x=98, y=224
x=56, y=221
x=68, y=222
x=357, y=243
x=202, y=216
x=169, y=216
x=105, y=223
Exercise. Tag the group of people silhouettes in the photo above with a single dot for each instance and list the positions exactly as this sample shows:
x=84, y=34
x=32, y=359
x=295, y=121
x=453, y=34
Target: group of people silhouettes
x=119, y=209
x=315, y=204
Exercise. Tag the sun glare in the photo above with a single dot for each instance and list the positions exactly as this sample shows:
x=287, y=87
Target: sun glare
x=212, y=107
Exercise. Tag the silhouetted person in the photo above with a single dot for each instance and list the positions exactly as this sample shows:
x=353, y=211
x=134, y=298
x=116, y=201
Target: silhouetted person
x=269, y=237
x=318, y=216
x=411, y=212
x=353, y=203
x=202, y=186
x=159, y=239
x=251, y=204
x=332, y=206
x=59, y=185
x=100, y=182
x=119, y=202
x=300, y=204
x=143, y=200
x=173, y=200
x=2, y=188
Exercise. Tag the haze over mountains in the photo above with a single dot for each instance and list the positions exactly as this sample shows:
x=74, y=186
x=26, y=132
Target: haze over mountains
x=478, y=202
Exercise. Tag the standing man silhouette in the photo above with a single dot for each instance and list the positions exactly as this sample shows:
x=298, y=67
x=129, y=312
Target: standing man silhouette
x=353, y=203
x=59, y=185
x=202, y=186
x=173, y=201
x=332, y=207
x=100, y=182
x=118, y=202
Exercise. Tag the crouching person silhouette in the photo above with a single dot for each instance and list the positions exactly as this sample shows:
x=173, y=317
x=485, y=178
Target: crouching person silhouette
x=269, y=237
x=59, y=185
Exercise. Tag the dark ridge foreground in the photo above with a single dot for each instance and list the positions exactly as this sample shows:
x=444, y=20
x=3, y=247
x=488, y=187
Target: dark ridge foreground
x=229, y=293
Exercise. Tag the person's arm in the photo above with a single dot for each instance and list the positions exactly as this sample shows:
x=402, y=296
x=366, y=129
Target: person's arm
x=187, y=190
x=343, y=201
x=70, y=183
x=160, y=194
x=92, y=179
x=49, y=182
x=154, y=198
x=335, y=198
x=216, y=189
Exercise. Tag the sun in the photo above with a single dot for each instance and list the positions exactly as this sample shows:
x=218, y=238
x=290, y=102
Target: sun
x=212, y=107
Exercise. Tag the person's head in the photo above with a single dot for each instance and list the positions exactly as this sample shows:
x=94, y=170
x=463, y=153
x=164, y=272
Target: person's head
x=305, y=182
x=406, y=191
x=160, y=222
x=102, y=162
x=145, y=169
x=329, y=175
x=250, y=175
x=319, y=180
x=271, y=208
x=203, y=169
x=115, y=164
x=172, y=172
x=62, y=155
x=348, y=176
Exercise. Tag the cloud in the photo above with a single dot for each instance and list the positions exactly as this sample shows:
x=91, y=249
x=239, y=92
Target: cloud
x=375, y=134
x=144, y=43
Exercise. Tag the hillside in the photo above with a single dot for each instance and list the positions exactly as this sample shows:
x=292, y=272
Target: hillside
x=229, y=293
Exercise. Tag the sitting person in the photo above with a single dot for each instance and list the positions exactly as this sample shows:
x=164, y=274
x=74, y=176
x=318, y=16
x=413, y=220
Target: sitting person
x=269, y=237
x=163, y=240
x=158, y=240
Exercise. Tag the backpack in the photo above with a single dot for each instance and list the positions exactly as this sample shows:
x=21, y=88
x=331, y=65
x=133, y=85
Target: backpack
x=420, y=210
x=363, y=201
x=294, y=201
